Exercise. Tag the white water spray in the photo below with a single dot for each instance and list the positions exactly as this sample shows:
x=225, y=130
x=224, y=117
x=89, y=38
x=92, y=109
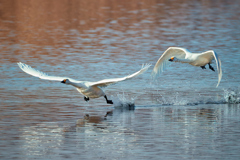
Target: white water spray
x=232, y=96
x=123, y=101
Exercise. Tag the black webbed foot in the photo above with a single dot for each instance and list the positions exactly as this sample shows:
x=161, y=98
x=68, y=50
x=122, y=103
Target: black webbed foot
x=203, y=67
x=86, y=98
x=108, y=101
x=210, y=67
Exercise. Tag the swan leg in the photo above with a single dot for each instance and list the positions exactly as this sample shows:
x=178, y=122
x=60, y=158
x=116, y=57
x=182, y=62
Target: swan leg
x=210, y=67
x=203, y=67
x=108, y=101
x=86, y=98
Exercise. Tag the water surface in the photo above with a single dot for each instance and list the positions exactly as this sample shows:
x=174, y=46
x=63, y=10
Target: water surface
x=181, y=115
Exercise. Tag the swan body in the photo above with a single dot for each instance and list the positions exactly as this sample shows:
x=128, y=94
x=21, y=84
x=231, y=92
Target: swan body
x=182, y=55
x=88, y=89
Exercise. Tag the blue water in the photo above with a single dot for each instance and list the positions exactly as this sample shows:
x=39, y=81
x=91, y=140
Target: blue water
x=181, y=115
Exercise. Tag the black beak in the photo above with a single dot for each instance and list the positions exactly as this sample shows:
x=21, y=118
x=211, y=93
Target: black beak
x=62, y=82
x=170, y=60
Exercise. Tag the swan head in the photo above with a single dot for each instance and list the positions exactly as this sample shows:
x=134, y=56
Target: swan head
x=65, y=81
x=171, y=59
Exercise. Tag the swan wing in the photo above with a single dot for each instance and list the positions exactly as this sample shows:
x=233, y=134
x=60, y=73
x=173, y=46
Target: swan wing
x=163, y=61
x=106, y=82
x=219, y=68
x=36, y=73
x=210, y=55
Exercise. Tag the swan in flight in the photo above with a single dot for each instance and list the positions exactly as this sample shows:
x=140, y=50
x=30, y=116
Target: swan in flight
x=177, y=54
x=88, y=89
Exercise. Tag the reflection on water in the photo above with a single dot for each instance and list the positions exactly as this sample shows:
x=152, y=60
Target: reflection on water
x=205, y=131
x=110, y=39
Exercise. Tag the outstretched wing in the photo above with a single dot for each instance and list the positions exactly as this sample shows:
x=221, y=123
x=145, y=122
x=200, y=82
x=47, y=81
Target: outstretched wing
x=36, y=73
x=163, y=61
x=209, y=55
x=219, y=68
x=106, y=82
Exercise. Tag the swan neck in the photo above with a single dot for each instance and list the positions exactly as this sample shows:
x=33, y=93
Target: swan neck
x=74, y=84
x=183, y=60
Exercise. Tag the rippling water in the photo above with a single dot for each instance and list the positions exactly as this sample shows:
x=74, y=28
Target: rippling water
x=181, y=115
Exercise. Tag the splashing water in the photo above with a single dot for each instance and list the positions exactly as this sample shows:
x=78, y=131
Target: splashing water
x=231, y=96
x=173, y=100
x=122, y=101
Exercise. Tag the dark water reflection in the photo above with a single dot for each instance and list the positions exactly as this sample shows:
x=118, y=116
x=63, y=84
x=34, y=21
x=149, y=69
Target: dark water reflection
x=94, y=40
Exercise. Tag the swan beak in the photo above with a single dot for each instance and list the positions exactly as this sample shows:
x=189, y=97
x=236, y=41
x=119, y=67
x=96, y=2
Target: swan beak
x=64, y=81
x=171, y=59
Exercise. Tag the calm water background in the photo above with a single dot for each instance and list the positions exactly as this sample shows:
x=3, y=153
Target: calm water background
x=180, y=116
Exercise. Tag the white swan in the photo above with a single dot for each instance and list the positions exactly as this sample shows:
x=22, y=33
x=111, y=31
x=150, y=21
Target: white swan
x=177, y=54
x=88, y=89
